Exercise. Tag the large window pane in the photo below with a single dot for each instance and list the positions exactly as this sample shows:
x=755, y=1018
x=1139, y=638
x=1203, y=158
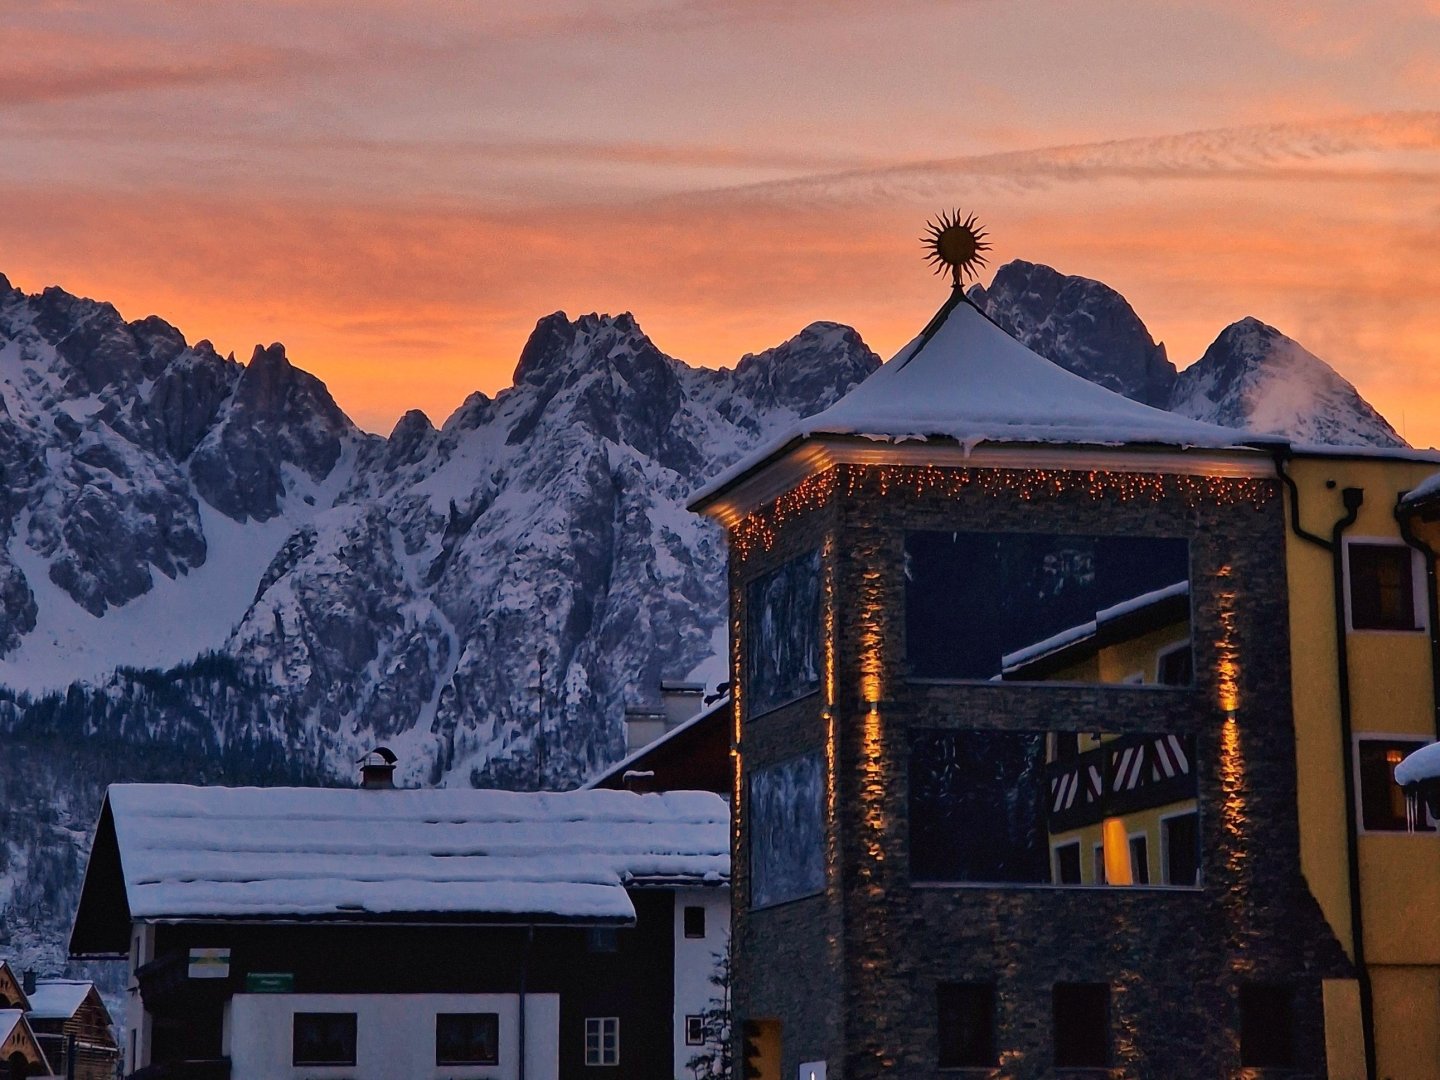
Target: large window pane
x=324, y=1039
x=1042, y=808
x=467, y=1039
x=782, y=634
x=787, y=831
x=1042, y=607
x=1382, y=588
x=1383, y=806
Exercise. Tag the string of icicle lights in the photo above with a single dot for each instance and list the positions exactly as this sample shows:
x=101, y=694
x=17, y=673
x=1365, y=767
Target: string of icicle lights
x=757, y=531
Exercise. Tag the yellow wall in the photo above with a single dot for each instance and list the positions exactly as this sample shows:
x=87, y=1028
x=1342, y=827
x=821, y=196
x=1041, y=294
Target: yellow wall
x=1391, y=693
x=1142, y=821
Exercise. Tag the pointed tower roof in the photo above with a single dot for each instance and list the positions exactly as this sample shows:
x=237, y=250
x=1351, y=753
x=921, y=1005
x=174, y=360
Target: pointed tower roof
x=966, y=381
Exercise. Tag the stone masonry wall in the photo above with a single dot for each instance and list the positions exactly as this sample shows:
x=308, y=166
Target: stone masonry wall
x=852, y=974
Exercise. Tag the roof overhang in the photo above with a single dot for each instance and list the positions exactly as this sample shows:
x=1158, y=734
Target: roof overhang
x=731, y=498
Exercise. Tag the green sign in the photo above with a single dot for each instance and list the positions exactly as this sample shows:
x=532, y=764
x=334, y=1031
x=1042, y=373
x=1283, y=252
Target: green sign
x=269, y=982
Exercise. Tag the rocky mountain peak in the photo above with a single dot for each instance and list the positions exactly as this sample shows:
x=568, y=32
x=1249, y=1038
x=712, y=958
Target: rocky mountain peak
x=808, y=372
x=1254, y=376
x=1081, y=324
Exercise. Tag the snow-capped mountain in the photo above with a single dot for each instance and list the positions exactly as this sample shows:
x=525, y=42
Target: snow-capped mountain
x=1083, y=325
x=1254, y=376
x=160, y=502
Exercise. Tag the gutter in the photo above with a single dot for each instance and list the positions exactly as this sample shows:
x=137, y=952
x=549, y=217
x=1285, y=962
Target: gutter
x=1353, y=499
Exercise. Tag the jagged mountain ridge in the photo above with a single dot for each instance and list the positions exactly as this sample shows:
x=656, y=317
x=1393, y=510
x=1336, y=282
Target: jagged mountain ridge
x=355, y=588
x=1252, y=376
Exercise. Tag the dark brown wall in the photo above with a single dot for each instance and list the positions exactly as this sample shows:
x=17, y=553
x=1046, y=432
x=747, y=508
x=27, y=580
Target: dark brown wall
x=1173, y=958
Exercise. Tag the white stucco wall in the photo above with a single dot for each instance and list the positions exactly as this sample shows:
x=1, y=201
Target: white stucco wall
x=395, y=1036
x=695, y=962
x=137, y=1021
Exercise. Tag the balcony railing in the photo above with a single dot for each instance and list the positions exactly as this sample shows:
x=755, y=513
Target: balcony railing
x=195, y=1069
x=167, y=988
x=1118, y=777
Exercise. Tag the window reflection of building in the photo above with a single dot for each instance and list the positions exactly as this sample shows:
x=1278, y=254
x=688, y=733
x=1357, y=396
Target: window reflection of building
x=1056, y=808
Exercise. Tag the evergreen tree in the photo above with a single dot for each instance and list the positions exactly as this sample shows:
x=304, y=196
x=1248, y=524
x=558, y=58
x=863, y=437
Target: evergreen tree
x=712, y=1062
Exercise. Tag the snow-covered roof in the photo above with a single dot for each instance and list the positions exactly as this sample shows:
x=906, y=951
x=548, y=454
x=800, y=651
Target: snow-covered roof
x=9, y=1021
x=1424, y=491
x=1074, y=635
x=200, y=853
x=1422, y=764
x=623, y=765
x=967, y=380
x=58, y=999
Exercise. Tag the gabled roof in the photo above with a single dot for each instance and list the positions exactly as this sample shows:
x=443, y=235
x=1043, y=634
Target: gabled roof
x=695, y=752
x=10, y=1019
x=14, y=1026
x=175, y=853
x=12, y=985
x=966, y=380
x=58, y=999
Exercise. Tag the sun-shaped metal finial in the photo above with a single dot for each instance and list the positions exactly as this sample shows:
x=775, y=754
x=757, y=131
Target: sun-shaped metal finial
x=956, y=245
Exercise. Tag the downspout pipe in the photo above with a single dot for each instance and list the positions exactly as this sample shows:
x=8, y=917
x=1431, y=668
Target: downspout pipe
x=1353, y=499
x=524, y=970
x=1281, y=455
x=1432, y=599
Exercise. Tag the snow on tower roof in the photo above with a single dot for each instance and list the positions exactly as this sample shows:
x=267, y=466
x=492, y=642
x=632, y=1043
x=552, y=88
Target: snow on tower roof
x=9, y=1021
x=967, y=380
x=186, y=853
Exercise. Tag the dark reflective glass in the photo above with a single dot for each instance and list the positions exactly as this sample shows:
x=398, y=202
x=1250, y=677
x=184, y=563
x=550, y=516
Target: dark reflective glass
x=782, y=634
x=467, y=1039
x=1043, y=607
x=1051, y=808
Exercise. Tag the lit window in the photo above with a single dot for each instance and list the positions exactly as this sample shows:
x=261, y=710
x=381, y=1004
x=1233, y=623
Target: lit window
x=324, y=1039
x=694, y=922
x=1082, y=1025
x=966, y=1024
x=1383, y=805
x=602, y=1040
x=1267, y=1026
x=694, y=1031
x=1382, y=587
x=467, y=1039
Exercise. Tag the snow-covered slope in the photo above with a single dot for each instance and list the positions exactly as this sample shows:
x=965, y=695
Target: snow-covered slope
x=146, y=482
x=1254, y=376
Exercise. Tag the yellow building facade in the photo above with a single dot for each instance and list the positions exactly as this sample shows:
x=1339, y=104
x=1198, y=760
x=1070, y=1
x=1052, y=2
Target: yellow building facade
x=1362, y=644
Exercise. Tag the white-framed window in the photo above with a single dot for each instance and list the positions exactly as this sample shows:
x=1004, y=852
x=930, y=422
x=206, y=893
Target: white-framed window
x=1384, y=586
x=1175, y=666
x=602, y=1040
x=694, y=1030
x=1180, y=849
x=1139, y=859
x=1380, y=803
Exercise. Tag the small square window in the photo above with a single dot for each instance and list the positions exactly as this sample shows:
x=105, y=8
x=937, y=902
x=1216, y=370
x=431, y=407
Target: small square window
x=1267, y=1025
x=324, y=1039
x=966, y=1015
x=1383, y=805
x=1382, y=587
x=467, y=1039
x=602, y=1040
x=1139, y=860
x=694, y=1031
x=1082, y=1025
x=1176, y=667
x=1067, y=863
x=602, y=939
x=1180, y=849
x=694, y=922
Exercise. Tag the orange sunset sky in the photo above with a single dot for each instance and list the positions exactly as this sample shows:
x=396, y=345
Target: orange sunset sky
x=398, y=189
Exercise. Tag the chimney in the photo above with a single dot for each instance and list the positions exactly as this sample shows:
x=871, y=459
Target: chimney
x=643, y=725
x=377, y=769
x=680, y=700
x=27, y=981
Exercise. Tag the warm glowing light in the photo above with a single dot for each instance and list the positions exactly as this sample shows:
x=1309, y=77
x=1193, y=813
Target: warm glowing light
x=758, y=530
x=1227, y=654
x=1233, y=810
x=1117, y=852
